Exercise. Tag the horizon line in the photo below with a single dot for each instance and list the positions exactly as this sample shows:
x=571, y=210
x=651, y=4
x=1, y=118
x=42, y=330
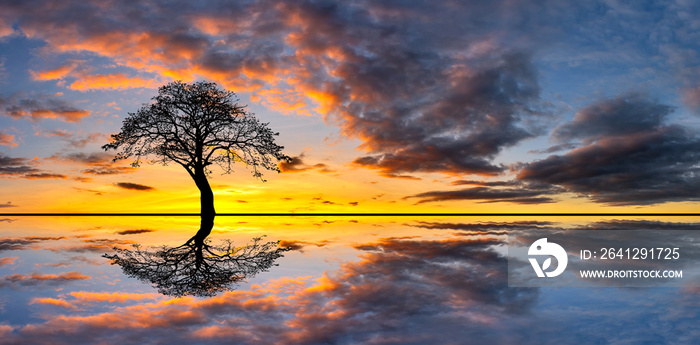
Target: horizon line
x=350, y=214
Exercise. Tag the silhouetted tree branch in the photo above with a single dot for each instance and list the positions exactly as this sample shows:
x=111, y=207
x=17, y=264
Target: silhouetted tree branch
x=197, y=125
x=197, y=268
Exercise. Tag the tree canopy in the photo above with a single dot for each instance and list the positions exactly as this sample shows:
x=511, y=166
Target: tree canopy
x=197, y=125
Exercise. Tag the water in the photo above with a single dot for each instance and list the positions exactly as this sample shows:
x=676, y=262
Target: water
x=363, y=280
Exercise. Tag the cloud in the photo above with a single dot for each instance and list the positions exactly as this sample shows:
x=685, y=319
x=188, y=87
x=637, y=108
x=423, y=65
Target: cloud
x=89, y=159
x=53, y=301
x=626, y=224
x=7, y=139
x=22, y=243
x=8, y=204
x=624, y=115
x=133, y=231
x=450, y=133
x=23, y=168
x=297, y=165
x=630, y=156
x=299, y=245
x=38, y=279
x=15, y=166
x=8, y=261
x=426, y=88
x=117, y=81
x=42, y=107
x=98, y=163
x=133, y=186
x=75, y=140
x=111, y=297
x=98, y=245
x=486, y=228
x=34, y=176
x=485, y=183
x=524, y=194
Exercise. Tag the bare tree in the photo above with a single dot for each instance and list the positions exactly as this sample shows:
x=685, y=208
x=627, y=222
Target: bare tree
x=197, y=125
x=197, y=269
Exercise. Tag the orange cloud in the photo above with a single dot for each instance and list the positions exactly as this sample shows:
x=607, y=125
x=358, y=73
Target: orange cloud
x=112, y=297
x=51, y=74
x=54, y=302
x=73, y=115
x=116, y=81
x=7, y=261
x=35, y=278
x=7, y=139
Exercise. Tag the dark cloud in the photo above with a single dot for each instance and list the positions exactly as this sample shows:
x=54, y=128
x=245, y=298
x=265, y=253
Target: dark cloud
x=108, y=170
x=133, y=186
x=624, y=115
x=630, y=156
x=22, y=243
x=8, y=204
x=133, y=231
x=42, y=107
x=299, y=245
x=15, y=166
x=298, y=165
x=34, y=176
x=488, y=228
x=24, y=168
x=451, y=132
x=485, y=183
x=524, y=194
x=626, y=224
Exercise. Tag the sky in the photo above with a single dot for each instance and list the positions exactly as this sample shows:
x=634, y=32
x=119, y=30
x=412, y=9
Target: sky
x=451, y=106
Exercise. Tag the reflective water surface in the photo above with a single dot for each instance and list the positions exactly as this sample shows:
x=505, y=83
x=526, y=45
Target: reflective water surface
x=312, y=280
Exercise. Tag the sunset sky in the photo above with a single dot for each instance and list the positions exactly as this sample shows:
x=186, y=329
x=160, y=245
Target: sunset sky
x=403, y=106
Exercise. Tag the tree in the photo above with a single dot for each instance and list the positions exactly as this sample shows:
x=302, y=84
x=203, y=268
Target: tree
x=197, y=125
x=197, y=269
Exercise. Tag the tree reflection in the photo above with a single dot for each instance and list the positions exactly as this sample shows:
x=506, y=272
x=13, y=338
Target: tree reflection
x=197, y=268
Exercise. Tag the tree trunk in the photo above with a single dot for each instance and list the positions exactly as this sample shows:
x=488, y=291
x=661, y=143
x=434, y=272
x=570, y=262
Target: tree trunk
x=207, y=212
x=206, y=195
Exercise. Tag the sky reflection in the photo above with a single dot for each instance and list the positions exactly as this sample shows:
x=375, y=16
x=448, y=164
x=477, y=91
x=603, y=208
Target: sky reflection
x=375, y=281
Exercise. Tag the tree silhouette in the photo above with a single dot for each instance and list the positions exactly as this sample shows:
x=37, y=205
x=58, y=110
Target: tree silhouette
x=197, y=125
x=197, y=268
